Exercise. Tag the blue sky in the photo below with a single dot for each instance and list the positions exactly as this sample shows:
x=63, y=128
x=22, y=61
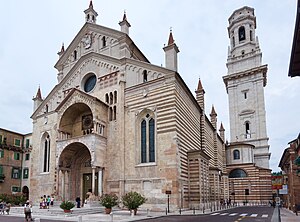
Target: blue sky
x=32, y=32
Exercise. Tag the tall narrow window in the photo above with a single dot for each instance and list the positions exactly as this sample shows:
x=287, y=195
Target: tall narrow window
x=145, y=76
x=236, y=154
x=25, y=173
x=247, y=128
x=147, y=128
x=16, y=156
x=245, y=95
x=115, y=113
x=1, y=172
x=233, y=41
x=103, y=42
x=151, y=140
x=111, y=98
x=110, y=114
x=250, y=35
x=27, y=143
x=143, y=142
x=46, y=158
x=115, y=97
x=106, y=98
x=75, y=55
x=242, y=35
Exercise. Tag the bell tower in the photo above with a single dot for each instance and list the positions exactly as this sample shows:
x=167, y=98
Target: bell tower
x=245, y=82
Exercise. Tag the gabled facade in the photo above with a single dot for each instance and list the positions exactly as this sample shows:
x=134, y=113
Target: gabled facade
x=15, y=162
x=117, y=123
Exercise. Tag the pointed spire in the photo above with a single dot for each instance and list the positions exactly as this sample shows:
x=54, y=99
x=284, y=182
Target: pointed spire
x=124, y=16
x=62, y=48
x=125, y=25
x=171, y=39
x=91, y=4
x=221, y=127
x=38, y=94
x=90, y=13
x=213, y=112
x=200, y=87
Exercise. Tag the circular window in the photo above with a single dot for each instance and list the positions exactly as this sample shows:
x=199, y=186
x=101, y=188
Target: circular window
x=90, y=83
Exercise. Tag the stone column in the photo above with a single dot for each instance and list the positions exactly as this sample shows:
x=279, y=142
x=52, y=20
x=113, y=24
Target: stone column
x=93, y=180
x=63, y=184
x=100, y=172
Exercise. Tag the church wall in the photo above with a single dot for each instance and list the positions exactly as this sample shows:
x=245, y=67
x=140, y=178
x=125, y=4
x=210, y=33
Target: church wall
x=43, y=182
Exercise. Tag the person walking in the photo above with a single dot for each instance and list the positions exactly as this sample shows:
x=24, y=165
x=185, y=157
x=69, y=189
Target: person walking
x=28, y=211
x=78, y=202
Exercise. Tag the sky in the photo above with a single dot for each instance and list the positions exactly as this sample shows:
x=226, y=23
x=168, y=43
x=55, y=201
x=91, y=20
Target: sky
x=32, y=32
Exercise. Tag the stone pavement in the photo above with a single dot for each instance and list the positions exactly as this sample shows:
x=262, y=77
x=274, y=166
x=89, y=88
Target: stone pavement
x=85, y=214
x=288, y=216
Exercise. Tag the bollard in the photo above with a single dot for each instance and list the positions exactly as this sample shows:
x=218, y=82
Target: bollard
x=166, y=211
x=203, y=209
x=37, y=219
x=111, y=217
x=132, y=213
x=148, y=213
x=180, y=211
x=80, y=218
x=194, y=210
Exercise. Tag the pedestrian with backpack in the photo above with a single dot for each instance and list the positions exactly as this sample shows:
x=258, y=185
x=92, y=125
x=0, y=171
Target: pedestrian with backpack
x=27, y=211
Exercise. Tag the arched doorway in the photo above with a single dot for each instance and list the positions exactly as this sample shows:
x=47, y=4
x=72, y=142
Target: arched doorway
x=75, y=172
x=25, y=192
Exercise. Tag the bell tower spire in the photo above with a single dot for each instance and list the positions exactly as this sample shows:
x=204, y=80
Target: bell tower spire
x=171, y=51
x=90, y=13
x=245, y=82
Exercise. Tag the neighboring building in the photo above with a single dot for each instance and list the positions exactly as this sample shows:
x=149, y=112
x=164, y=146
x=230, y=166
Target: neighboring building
x=248, y=152
x=294, y=69
x=116, y=123
x=290, y=165
x=14, y=162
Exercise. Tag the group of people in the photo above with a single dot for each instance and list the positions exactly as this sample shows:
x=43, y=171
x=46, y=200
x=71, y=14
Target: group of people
x=225, y=202
x=46, y=201
x=4, y=207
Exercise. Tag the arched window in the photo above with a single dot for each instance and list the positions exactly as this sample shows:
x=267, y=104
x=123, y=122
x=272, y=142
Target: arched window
x=237, y=173
x=236, y=154
x=145, y=76
x=115, y=113
x=103, y=42
x=46, y=153
x=75, y=55
x=106, y=98
x=111, y=98
x=247, y=128
x=115, y=97
x=147, y=130
x=242, y=34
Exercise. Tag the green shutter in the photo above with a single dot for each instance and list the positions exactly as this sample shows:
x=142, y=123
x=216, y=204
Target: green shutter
x=27, y=143
x=1, y=153
x=0, y=139
x=17, y=142
x=16, y=155
x=1, y=169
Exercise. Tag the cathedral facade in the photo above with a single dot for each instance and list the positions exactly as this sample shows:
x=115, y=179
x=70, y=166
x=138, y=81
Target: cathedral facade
x=116, y=123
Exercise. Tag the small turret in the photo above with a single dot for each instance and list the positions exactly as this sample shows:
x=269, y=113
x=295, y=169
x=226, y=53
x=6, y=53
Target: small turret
x=90, y=14
x=37, y=100
x=125, y=25
x=213, y=117
x=222, y=132
x=200, y=95
x=171, y=51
